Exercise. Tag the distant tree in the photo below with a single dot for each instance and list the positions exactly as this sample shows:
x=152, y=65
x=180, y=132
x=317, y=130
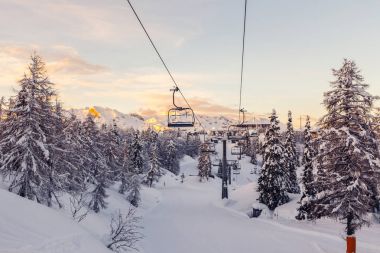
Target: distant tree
x=291, y=158
x=134, y=190
x=169, y=157
x=307, y=180
x=135, y=155
x=271, y=188
x=204, y=163
x=154, y=171
x=251, y=152
x=348, y=158
x=113, y=150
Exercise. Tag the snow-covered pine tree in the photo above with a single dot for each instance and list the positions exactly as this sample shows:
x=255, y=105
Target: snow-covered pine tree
x=136, y=160
x=147, y=137
x=95, y=164
x=291, y=158
x=271, y=187
x=154, y=172
x=204, y=163
x=75, y=155
x=113, y=150
x=192, y=145
x=252, y=154
x=348, y=158
x=172, y=160
x=26, y=139
x=125, y=172
x=135, y=167
x=134, y=192
x=376, y=123
x=3, y=107
x=307, y=179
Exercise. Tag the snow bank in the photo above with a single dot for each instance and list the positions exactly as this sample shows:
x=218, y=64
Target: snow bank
x=26, y=226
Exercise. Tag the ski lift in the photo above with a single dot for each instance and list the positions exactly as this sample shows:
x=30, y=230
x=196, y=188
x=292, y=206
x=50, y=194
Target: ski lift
x=235, y=133
x=214, y=140
x=237, y=150
x=253, y=133
x=208, y=147
x=180, y=116
x=236, y=168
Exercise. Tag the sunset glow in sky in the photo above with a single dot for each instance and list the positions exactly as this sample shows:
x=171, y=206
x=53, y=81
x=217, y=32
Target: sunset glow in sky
x=98, y=55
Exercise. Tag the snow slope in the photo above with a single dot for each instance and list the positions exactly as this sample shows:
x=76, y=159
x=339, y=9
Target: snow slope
x=190, y=217
x=179, y=217
x=26, y=226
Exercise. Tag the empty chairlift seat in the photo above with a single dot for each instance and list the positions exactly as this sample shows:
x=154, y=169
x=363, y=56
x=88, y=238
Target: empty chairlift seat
x=237, y=150
x=181, y=117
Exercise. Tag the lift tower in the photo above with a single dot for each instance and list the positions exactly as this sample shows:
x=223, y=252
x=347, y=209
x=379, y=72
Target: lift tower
x=224, y=172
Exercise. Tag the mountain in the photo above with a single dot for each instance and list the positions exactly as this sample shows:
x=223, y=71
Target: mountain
x=105, y=115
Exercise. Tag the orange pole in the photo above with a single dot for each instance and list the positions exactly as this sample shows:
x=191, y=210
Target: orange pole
x=351, y=244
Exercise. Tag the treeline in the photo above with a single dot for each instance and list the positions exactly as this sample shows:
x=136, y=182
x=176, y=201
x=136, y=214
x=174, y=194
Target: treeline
x=341, y=163
x=46, y=151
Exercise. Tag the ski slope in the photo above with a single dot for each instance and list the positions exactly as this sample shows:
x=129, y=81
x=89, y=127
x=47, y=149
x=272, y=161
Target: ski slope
x=28, y=227
x=190, y=217
x=178, y=217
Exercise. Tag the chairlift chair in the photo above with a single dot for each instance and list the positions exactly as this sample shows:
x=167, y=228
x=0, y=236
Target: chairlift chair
x=237, y=150
x=208, y=147
x=180, y=116
x=236, y=167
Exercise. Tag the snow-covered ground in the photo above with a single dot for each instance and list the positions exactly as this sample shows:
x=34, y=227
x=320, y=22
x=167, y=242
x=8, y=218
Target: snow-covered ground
x=179, y=217
x=190, y=217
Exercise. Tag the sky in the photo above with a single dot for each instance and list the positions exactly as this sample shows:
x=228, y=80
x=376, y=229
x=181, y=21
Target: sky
x=97, y=54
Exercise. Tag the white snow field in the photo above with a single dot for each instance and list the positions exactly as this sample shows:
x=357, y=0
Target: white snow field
x=191, y=218
x=178, y=217
x=27, y=227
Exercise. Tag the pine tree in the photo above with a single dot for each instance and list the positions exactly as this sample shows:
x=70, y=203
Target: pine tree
x=348, y=158
x=252, y=154
x=98, y=195
x=134, y=193
x=95, y=164
x=376, y=122
x=135, y=166
x=271, y=187
x=172, y=160
x=154, y=171
x=113, y=150
x=135, y=155
x=307, y=180
x=26, y=140
x=3, y=108
x=204, y=163
x=291, y=158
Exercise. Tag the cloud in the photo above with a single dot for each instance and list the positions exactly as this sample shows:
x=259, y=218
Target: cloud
x=68, y=61
x=59, y=59
x=97, y=22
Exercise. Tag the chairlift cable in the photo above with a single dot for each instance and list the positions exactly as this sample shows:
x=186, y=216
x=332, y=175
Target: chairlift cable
x=162, y=61
x=242, y=56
